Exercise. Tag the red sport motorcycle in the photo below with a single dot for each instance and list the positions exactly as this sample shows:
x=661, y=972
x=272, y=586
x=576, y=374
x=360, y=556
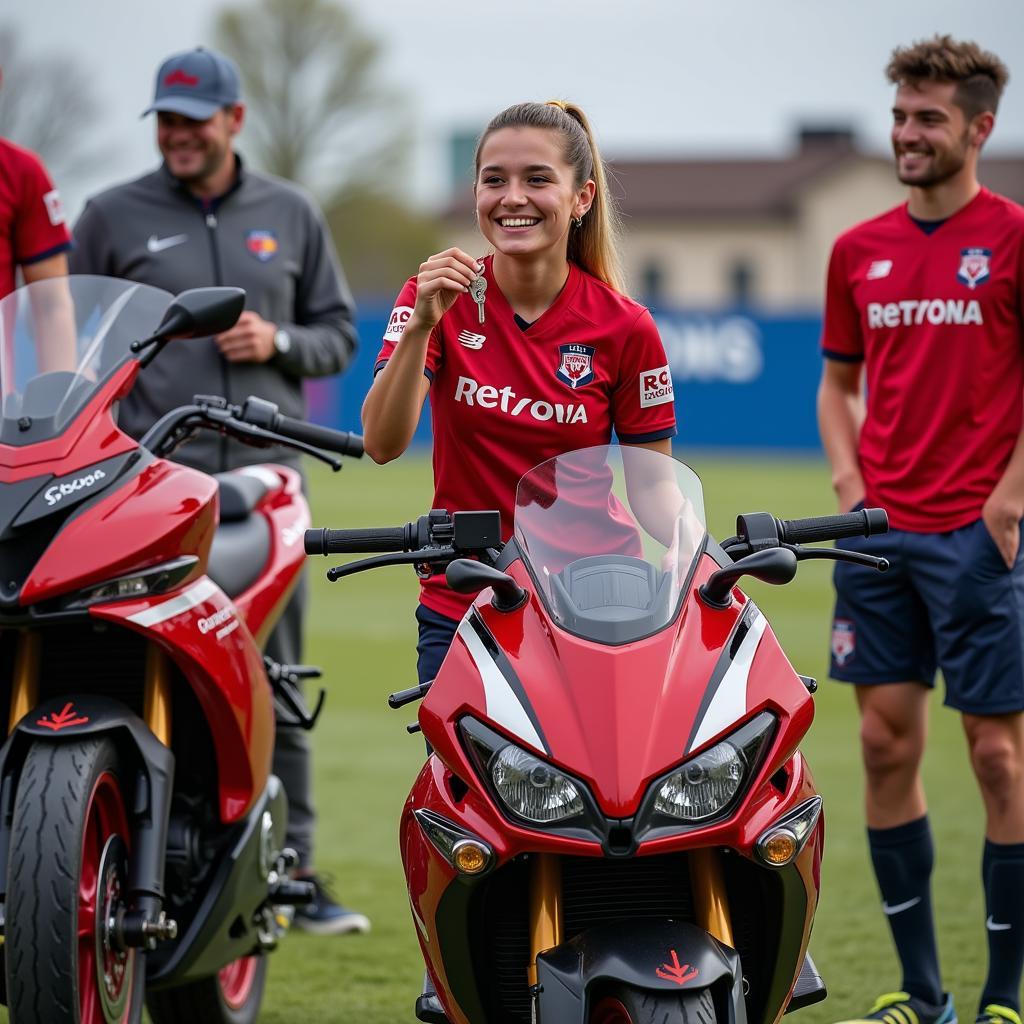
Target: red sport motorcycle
x=615, y=824
x=142, y=852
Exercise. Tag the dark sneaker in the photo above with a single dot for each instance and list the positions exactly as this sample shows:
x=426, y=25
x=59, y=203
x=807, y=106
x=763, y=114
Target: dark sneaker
x=996, y=1014
x=901, y=1008
x=325, y=915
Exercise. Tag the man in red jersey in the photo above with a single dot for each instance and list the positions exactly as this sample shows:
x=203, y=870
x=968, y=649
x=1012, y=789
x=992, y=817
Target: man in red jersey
x=924, y=315
x=33, y=234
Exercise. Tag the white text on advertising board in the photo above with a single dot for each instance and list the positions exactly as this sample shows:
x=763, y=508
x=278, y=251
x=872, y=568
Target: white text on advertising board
x=713, y=349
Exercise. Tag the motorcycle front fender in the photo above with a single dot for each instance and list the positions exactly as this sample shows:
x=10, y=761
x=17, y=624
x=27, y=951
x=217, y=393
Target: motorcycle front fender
x=657, y=955
x=59, y=720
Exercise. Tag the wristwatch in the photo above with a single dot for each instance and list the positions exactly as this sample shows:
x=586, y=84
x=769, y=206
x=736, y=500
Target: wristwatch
x=282, y=341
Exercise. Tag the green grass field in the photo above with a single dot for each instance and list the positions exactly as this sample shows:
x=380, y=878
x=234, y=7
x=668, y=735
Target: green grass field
x=362, y=632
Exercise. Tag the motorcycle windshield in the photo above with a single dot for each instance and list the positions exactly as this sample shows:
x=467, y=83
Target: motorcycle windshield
x=609, y=535
x=59, y=339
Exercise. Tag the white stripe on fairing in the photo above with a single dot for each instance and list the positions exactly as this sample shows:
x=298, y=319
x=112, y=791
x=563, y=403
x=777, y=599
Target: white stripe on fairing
x=266, y=476
x=200, y=591
x=729, y=703
x=503, y=705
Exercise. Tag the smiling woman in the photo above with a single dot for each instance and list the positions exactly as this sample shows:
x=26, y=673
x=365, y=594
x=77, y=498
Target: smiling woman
x=528, y=352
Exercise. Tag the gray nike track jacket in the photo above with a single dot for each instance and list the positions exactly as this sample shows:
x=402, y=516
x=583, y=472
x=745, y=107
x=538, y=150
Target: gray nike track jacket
x=266, y=236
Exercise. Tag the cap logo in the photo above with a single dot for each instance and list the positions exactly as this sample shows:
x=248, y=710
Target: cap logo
x=179, y=77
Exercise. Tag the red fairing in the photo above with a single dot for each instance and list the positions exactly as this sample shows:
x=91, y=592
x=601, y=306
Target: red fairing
x=287, y=512
x=91, y=437
x=618, y=722
x=200, y=630
x=165, y=512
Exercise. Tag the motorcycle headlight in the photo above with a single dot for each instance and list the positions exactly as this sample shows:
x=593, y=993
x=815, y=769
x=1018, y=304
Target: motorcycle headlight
x=527, y=785
x=709, y=784
x=704, y=785
x=532, y=789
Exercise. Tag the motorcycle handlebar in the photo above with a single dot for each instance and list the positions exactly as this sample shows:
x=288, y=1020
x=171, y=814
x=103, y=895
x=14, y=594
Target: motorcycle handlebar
x=341, y=441
x=371, y=539
x=863, y=523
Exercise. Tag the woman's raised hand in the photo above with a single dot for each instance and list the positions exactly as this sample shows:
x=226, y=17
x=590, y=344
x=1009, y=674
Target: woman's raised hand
x=441, y=280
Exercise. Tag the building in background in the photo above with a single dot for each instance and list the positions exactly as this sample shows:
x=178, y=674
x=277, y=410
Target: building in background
x=744, y=232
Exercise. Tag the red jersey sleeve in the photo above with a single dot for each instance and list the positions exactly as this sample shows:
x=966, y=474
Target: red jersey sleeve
x=841, y=336
x=643, y=403
x=39, y=227
x=396, y=325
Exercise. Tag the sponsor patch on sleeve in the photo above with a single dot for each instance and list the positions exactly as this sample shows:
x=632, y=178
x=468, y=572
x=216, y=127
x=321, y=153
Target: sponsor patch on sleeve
x=655, y=387
x=396, y=323
x=54, y=207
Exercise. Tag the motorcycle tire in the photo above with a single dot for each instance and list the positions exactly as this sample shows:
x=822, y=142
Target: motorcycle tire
x=233, y=996
x=628, y=1005
x=66, y=874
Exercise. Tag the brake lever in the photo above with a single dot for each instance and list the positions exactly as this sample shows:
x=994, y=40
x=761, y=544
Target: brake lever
x=839, y=555
x=247, y=433
x=446, y=554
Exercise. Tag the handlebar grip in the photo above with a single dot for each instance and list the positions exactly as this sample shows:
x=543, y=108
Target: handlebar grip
x=372, y=539
x=862, y=523
x=340, y=441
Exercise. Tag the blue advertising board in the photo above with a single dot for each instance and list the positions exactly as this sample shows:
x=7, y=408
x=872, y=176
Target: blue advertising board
x=741, y=380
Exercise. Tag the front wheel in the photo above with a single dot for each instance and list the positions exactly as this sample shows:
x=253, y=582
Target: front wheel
x=628, y=1005
x=232, y=996
x=66, y=878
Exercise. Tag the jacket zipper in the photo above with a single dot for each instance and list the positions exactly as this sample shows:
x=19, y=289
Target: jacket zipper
x=211, y=231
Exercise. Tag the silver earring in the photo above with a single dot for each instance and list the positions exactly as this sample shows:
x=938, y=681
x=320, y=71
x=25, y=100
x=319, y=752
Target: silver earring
x=578, y=221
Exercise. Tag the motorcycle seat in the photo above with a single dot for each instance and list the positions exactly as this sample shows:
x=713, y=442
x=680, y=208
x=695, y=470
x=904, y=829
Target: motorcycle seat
x=238, y=554
x=240, y=493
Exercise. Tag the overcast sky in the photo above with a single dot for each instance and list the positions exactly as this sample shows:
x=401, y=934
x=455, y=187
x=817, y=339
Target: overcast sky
x=656, y=76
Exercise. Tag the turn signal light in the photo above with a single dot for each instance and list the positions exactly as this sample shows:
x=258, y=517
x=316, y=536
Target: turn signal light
x=779, y=847
x=470, y=858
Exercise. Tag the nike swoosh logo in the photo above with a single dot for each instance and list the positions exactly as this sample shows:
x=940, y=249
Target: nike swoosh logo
x=993, y=927
x=898, y=908
x=154, y=244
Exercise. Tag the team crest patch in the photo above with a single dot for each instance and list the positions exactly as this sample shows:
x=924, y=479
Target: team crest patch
x=577, y=365
x=844, y=641
x=262, y=244
x=973, y=266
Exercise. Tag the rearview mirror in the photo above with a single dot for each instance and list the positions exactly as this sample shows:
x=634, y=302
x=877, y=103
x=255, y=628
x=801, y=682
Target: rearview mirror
x=199, y=312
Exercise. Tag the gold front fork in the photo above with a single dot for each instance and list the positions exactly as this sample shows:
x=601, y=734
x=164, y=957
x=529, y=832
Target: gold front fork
x=710, y=900
x=157, y=701
x=545, y=908
x=25, y=690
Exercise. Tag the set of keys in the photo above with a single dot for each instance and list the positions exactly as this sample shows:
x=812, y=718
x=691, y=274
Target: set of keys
x=478, y=293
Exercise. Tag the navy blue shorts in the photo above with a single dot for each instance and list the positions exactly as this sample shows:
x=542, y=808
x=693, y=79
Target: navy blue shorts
x=948, y=601
x=436, y=632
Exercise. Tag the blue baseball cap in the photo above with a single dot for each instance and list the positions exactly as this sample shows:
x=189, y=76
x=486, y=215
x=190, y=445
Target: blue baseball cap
x=196, y=84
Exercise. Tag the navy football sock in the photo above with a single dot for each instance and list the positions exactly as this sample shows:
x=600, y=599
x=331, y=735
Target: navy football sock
x=1002, y=872
x=903, y=857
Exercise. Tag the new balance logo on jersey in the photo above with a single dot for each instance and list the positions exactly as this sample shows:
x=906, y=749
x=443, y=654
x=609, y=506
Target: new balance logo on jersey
x=912, y=312
x=486, y=396
x=471, y=340
x=879, y=268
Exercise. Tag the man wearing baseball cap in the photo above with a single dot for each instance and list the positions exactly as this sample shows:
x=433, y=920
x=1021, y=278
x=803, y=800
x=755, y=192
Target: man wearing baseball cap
x=205, y=218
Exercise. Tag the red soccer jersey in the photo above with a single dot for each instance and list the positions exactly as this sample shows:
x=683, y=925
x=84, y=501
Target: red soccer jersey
x=937, y=319
x=503, y=399
x=31, y=217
